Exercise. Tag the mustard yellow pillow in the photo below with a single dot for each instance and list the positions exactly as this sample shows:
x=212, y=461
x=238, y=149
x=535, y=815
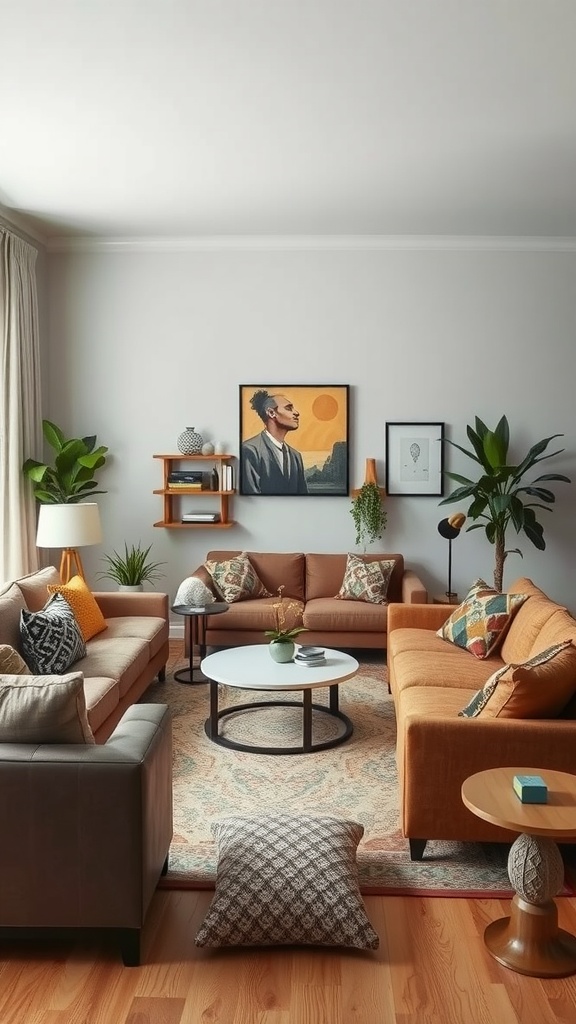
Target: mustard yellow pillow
x=538, y=688
x=84, y=605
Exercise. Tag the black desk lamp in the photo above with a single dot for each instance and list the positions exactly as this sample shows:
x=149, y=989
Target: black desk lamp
x=450, y=528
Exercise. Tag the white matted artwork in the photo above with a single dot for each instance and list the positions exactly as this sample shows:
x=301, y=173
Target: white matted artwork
x=415, y=458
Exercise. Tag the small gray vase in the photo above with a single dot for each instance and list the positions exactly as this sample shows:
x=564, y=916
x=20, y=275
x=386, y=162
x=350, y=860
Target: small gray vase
x=190, y=442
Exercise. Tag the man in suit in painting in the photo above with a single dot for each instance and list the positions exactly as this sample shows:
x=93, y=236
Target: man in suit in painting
x=268, y=464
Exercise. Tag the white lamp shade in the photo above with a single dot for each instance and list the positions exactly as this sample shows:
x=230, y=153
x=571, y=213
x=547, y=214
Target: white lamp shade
x=68, y=526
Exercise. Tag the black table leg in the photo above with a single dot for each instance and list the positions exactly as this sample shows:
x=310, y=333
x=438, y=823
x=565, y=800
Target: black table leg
x=334, y=697
x=213, y=709
x=307, y=720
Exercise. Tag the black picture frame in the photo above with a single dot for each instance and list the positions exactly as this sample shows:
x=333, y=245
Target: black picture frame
x=317, y=446
x=415, y=459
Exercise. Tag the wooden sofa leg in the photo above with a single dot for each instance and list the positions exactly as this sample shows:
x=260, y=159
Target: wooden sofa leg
x=162, y=674
x=165, y=867
x=417, y=847
x=130, y=946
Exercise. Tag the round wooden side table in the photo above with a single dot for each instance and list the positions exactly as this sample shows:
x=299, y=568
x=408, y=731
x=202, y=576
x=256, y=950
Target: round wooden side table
x=196, y=614
x=529, y=941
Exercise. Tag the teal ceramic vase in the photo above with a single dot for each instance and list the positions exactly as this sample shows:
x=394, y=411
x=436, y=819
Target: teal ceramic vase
x=282, y=652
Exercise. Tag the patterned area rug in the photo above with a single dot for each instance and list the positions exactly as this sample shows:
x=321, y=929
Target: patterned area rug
x=356, y=780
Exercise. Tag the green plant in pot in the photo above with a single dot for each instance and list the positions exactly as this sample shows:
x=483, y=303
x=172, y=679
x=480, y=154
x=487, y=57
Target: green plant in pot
x=368, y=513
x=282, y=645
x=499, y=494
x=133, y=568
x=71, y=477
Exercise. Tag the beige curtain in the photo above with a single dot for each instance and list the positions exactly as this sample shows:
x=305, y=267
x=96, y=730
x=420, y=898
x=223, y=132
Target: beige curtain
x=20, y=404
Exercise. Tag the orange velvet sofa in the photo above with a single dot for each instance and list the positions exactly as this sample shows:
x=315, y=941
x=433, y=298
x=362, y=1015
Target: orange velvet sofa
x=431, y=680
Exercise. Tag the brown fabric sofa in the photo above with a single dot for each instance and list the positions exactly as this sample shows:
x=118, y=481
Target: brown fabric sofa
x=120, y=662
x=312, y=580
x=431, y=680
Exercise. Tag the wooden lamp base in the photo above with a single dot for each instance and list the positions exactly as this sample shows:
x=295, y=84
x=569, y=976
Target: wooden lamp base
x=71, y=565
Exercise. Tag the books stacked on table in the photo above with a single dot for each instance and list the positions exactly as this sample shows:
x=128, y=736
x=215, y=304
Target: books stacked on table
x=200, y=517
x=310, y=656
x=185, y=480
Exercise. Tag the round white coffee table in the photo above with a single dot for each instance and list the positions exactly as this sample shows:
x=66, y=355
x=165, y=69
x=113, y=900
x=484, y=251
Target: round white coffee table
x=252, y=668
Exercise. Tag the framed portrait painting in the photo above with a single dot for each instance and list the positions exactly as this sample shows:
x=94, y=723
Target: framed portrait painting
x=294, y=439
x=415, y=458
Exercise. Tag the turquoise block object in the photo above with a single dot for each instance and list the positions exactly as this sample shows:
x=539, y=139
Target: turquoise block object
x=530, y=789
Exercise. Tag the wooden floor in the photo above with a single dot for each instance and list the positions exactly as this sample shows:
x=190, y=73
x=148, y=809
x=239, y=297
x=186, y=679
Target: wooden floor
x=431, y=968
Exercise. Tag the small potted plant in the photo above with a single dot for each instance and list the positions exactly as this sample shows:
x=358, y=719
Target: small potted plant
x=282, y=638
x=132, y=569
x=71, y=478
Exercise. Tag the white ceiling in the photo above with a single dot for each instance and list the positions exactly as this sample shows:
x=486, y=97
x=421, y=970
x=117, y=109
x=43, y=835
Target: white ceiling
x=195, y=118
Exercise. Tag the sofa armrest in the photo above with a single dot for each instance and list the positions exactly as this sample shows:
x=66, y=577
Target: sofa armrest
x=418, y=616
x=439, y=752
x=413, y=590
x=114, y=603
x=99, y=816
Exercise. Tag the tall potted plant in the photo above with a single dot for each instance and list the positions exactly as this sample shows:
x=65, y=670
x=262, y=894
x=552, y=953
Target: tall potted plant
x=499, y=494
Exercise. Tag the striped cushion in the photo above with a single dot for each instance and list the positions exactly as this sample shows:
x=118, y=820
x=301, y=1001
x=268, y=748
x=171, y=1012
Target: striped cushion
x=538, y=688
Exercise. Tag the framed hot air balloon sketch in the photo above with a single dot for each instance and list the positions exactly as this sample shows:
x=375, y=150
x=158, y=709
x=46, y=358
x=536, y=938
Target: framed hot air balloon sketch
x=415, y=459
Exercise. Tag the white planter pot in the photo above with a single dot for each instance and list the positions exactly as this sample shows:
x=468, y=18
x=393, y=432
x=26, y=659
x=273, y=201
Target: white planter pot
x=136, y=589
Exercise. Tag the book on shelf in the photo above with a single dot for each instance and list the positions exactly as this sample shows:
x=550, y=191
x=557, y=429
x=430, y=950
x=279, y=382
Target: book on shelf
x=201, y=517
x=184, y=477
x=187, y=486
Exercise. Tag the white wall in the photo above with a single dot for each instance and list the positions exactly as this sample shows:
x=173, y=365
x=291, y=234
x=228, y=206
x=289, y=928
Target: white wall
x=142, y=344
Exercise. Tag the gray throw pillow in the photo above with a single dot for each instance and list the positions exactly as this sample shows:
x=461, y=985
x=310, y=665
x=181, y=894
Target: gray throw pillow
x=51, y=639
x=287, y=879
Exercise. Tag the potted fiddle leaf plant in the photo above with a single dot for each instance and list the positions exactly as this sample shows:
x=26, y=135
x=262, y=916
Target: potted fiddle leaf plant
x=499, y=495
x=132, y=569
x=71, y=476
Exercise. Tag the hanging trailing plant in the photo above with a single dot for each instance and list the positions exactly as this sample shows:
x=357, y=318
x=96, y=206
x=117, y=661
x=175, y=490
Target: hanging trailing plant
x=368, y=513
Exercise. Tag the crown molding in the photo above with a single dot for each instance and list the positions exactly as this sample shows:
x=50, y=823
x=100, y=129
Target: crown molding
x=14, y=222
x=311, y=243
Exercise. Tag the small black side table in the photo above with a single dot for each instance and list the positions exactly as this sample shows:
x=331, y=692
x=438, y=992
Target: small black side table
x=195, y=613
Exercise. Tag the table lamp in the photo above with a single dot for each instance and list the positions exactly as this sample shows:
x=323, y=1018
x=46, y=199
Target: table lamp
x=450, y=528
x=69, y=527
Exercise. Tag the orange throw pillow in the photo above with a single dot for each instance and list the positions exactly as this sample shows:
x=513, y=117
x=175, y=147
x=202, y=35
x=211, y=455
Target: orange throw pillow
x=84, y=605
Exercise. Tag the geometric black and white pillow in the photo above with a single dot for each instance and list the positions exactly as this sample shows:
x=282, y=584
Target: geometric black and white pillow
x=51, y=639
x=287, y=879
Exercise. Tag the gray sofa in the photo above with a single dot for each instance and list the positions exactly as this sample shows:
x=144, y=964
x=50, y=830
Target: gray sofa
x=120, y=662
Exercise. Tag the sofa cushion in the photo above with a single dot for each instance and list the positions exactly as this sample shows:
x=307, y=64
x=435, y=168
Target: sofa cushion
x=366, y=580
x=51, y=638
x=450, y=667
x=340, y=616
x=478, y=624
x=12, y=603
x=526, y=627
x=123, y=659
x=151, y=628
x=11, y=662
x=287, y=879
x=259, y=615
x=325, y=572
x=274, y=568
x=560, y=626
x=34, y=587
x=236, y=579
x=102, y=698
x=43, y=709
x=539, y=688
x=83, y=604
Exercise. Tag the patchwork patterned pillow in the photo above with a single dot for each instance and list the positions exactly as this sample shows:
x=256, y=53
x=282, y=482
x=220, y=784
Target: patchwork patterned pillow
x=538, y=688
x=236, y=579
x=366, y=581
x=287, y=879
x=51, y=639
x=11, y=664
x=44, y=709
x=479, y=624
x=84, y=605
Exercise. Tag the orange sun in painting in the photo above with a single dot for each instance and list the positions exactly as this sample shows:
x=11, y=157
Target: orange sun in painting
x=325, y=407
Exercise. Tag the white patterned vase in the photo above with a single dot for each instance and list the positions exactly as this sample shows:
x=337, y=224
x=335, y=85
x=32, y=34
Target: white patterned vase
x=190, y=442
